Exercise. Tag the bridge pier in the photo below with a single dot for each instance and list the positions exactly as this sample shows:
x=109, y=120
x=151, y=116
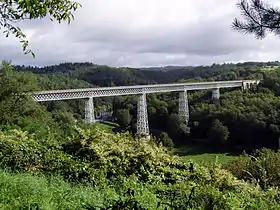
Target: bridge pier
x=142, y=116
x=216, y=95
x=183, y=111
x=89, y=111
x=244, y=86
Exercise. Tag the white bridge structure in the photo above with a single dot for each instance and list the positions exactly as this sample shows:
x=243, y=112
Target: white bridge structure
x=141, y=91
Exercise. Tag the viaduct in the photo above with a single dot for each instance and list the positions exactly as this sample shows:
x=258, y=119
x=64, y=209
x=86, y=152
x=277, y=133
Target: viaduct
x=141, y=91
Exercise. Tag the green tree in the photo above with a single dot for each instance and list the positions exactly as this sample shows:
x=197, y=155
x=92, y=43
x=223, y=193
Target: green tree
x=16, y=107
x=177, y=129
x=219, y=133
x=65, y=120
x=123, y=118
x=12, y=11
x=165, y=140
x=259, y=18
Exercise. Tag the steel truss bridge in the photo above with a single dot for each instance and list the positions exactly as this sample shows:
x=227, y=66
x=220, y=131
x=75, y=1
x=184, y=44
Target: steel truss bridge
x=141, y=91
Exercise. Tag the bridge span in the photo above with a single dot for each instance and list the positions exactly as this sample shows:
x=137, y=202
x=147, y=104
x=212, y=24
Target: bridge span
x=141, y=90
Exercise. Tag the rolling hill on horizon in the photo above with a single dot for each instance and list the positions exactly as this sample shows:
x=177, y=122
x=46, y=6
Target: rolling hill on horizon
x=101, y=75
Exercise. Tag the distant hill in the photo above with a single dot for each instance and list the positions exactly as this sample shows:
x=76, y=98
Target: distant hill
x=165, y=68
x=86, y=74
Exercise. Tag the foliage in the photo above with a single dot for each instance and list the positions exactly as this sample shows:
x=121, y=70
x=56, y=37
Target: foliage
x=26, y=191
x=111, y=76
x=16, y=107
x=123, y=118
x=205, y=189
x=165, y=140
x=124, y=173
x=119, y=154
x=12, y=11
x=20, y=151
x=219, y=133
x=87, y=153
x=262, y=167
x=260, y=18
x=251, y=118
x=65, y=121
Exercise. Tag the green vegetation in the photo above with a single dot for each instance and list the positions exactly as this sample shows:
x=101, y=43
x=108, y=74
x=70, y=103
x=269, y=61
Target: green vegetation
x=106, y=127
x=117, y=171
x=260, y=18
x=262, y=167
x=204, y=155
x=26, y=191
x=50, y=159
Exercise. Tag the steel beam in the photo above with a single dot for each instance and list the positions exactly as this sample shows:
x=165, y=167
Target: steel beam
x=216, y=94
x=183, y=111
x=142, y=115
x=89, y=111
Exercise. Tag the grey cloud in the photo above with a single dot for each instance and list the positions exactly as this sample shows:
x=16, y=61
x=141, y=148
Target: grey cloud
x=209, y=38
x=204, y=41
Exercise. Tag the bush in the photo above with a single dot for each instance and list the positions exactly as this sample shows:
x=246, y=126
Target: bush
x=21, y=152
x=215, y=190
x=87, y=156
x=162, y=138
x=126, y=173
x=120, y=154
x=218, y=133
x=166, y=140
x=262, y=167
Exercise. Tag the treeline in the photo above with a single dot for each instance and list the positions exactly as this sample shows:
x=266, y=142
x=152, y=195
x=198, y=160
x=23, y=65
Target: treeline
x=111, y=76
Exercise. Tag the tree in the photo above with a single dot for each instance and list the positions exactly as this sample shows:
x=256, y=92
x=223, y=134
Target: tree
x=17, y=108
x=259, y=18
x=13, y=11
x=123, y=118
x=177, y=129
x=219, y=133
x=165, y=140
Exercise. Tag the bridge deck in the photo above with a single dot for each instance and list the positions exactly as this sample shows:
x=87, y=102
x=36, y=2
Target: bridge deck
x=53, y=95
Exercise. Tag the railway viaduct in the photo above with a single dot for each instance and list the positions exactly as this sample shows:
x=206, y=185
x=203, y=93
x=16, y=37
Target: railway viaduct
x=141, y=91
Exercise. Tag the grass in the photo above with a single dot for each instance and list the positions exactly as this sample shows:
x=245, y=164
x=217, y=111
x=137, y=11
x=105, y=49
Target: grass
x=25, y=191
x=203, y=155
x=22, y=191
x=105, y=127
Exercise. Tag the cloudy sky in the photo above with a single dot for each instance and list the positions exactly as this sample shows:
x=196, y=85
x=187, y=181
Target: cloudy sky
x=141, y=33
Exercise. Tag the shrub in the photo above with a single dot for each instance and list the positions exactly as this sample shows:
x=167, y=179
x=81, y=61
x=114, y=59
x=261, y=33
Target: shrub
x=120, y=154
x=21, y=152
x=88, y=155
x=166, y=140
x=218, y=133
x=215, y=189
x=262, y=167
x=126, y=173
x=162, y=138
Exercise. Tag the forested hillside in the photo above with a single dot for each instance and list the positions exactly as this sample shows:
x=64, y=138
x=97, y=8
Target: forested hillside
x=111, y=76
x=249, y=119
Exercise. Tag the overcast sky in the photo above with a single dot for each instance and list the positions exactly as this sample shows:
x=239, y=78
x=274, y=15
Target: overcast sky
x=140, y=33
